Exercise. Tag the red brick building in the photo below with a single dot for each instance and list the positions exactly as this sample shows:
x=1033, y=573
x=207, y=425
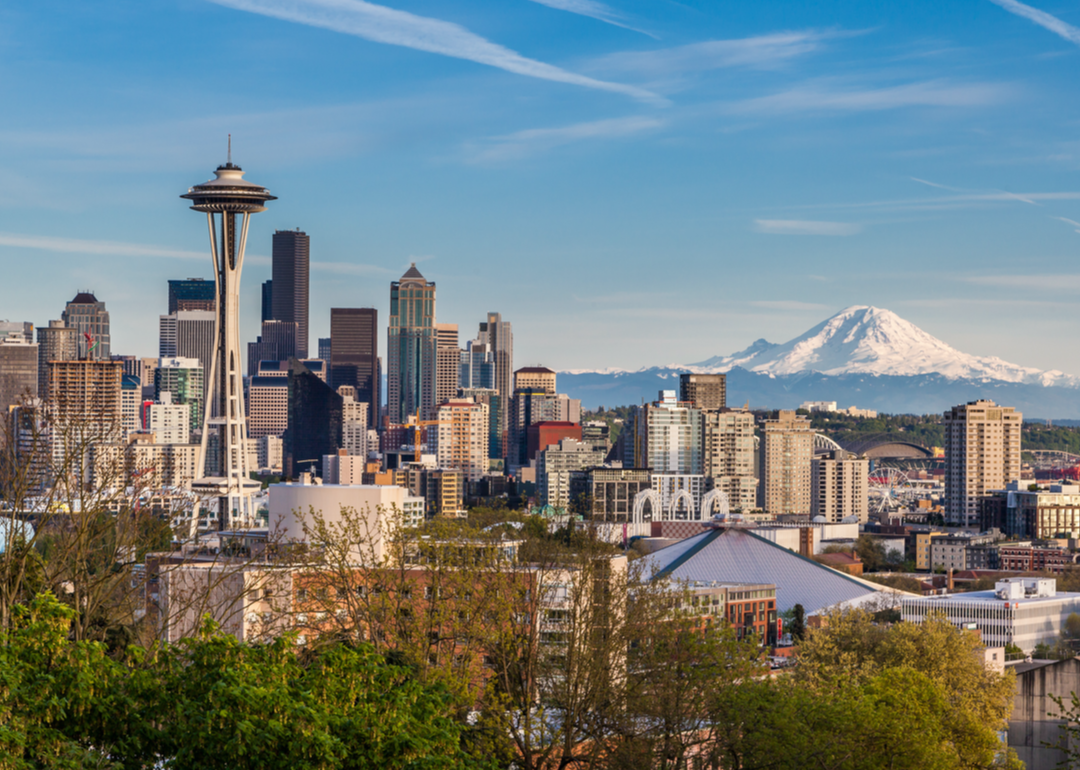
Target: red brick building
x=543, y=434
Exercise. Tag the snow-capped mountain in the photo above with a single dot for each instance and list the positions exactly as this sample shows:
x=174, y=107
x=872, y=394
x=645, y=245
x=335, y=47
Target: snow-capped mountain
x=869, y=340
x=862, y=355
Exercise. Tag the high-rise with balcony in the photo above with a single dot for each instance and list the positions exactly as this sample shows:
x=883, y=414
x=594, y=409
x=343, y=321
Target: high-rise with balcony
x=729, y=455
x=56, y=342
x=411, y=348
x=289, y=292
x=461, y=441
x=982, y=454
x=839, y=486
x=353, y=357
x=447, y=363
x=786, y=449
x=88, y=316
x=704, y=391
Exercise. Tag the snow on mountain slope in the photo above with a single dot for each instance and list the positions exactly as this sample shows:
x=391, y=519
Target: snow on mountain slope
x=869, y=340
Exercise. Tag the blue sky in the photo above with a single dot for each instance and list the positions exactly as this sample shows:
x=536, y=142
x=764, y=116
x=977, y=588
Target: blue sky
x=630, y=183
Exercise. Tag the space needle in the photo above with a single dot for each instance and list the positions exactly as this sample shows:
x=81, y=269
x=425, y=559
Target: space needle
x=222, y=469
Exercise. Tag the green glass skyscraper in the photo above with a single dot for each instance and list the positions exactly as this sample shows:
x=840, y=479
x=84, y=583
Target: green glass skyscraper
x=411, y=346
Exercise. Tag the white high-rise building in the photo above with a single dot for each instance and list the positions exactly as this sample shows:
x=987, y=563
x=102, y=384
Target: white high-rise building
x=982, y=454
x=839, y=487
x=667, y=436
x=461, y=440
x=729, y=455
x=354, y=427
x=169, y=422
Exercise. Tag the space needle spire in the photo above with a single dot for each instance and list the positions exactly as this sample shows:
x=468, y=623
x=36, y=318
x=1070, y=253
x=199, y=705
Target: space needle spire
x=222, y=469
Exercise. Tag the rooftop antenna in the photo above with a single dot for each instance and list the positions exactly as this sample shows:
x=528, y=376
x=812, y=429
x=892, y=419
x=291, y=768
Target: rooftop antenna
x=229, y=159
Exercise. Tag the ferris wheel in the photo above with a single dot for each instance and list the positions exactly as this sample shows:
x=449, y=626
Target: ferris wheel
x=889, y=489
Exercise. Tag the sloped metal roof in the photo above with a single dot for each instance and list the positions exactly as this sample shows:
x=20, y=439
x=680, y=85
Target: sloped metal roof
x=738, y=556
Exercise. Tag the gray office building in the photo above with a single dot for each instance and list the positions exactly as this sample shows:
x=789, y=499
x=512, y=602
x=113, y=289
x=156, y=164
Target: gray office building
x=353, y=357
x=57, y=342
x=88, y=316
x=187, y=334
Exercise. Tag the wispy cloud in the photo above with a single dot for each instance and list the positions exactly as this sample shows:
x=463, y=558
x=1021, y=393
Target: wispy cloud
x=594, y=10
x=763, y=51
x=1072, y=222
x=1005, y=193
x=393, y=27
x=110, y=248
x=804, y=227
x=121, y=249
x=822, y=98
x=523, y=143
x=1042, y=18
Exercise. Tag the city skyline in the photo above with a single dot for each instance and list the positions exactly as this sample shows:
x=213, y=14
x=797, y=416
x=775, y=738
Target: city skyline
x=643, y=171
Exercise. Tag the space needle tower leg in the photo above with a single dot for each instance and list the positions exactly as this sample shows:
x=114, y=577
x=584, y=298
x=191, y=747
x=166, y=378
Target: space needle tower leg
x=222, y=466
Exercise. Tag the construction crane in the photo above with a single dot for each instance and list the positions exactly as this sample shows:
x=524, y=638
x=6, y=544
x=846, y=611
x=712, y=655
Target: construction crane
x=417, y=425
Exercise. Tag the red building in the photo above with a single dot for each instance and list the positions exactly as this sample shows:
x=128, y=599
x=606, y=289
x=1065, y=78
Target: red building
x=543, y=434
x=1031, y=559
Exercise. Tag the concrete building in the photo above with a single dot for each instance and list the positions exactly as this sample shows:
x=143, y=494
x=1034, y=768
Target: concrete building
x=447, y=363
x=704, y=391
x=131, y=403
x=411, y=348
x=1052, y=511
x=607, y=494
x=541, y=435
x=555, y=465
x=950, y=551
x=354, y=355
x=493, y=401
x=291, y=255
x=57, y=342
x=18, y=371
x=268, y=401
x=924, y=550
x=982, y=453
x=728, y=445
x=87, y=315
x=85, y=400
x=1036, y=729
x=183, y=379
x=667, y=436
x=170, y=423
x=354, y=424
x=342, y=468
x=528, y=407
x=597, y=434
x=786, y=449
x=461, y=437
x=270, y=453
x=839, y=486
x=1021, y=611
x=187, y=334
x=143, y=463
x=192, y=294
x=535, y=378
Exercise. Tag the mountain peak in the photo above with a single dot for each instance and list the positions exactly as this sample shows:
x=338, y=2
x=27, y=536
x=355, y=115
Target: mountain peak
x=862, y=339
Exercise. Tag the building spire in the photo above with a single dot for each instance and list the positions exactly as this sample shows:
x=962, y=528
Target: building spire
x=228, y=158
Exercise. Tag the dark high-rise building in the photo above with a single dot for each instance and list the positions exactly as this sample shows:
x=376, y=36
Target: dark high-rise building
x=410, y=383
x=276, y=343
x=192, y=294
x=291, y=255
x=315, y=422
x=88, y=316
x=500, y=339
x=354, y=354
x=324, y=349
x=704, y=391
x=58, y=342
x=267, y=300
x=18, y=374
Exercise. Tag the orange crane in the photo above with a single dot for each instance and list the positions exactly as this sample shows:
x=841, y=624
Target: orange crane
x=417, y=425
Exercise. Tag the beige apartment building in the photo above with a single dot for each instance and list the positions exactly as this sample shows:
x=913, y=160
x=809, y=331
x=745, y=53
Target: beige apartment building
x=786, y=450
x=461, y=441
x=839, y=487
x=729, y=455
x=982, y=454
x=535, y=378
x=556, y=463
x=447, y=363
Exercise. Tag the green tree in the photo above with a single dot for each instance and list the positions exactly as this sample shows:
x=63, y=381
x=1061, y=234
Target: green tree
x=798, y=623
x=852, y=648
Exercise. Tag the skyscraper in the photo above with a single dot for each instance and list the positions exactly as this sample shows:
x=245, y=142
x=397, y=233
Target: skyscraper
x=85, y=399
x=787, y=447
x=324, y=349
x=729, y=455
x=276, y=343
x=267, y=301
x=411, y=379
x=839, y=486
x=57, y=342
x=447, y=363
x=354, y=354
x=289, y=295
x=88, y=316
x=228, y=201
x=315, y=421
x=500, y=338
x=705, y=391
x=187, y=334
x=191, y=294
x=982, y=453
x=18, y=373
